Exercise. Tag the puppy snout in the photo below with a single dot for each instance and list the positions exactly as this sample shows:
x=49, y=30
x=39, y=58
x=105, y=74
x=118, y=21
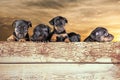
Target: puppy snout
x=21, y=36
x=61, y=29
x=22, y=31
x=108, y=38
x=111, y=36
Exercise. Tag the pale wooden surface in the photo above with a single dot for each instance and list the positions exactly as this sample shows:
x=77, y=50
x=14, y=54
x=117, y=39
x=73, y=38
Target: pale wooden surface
x=58, y=52
x=22, y=61
x=59, y=72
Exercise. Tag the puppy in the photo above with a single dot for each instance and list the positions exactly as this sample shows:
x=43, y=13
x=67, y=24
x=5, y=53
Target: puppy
x=20, y=31
x=100, y=34
x=59, y=33
x=41, y=33
x=73, y=37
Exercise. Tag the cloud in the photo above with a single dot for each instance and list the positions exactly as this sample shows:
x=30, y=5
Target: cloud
x=54, y=4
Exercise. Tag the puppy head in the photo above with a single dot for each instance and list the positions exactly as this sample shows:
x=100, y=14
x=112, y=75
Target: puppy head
x=58, y=23
x=74, y=37
x=41, y=32
x=101, y=34
x=21, y=28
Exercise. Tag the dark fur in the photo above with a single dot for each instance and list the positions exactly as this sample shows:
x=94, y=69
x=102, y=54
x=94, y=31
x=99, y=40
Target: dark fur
x=100, y=34
x=59, y=33
x=73, y=37
x=41, y=33
x=20, y=30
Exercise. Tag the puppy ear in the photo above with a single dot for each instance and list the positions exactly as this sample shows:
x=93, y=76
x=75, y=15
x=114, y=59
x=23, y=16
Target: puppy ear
x=66, y=20
x=52, y=21
x=49, y=29
x=92, y=36
x=94, y=33
x=78, y=35
x=29, y=24
x=14, y=23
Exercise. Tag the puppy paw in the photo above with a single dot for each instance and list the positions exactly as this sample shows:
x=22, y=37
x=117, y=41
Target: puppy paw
x=54, y=38
x=67, y=40
x=22, y=40
x=11, y=38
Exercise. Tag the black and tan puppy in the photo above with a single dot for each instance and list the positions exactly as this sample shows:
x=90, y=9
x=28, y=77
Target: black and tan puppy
x=100, y=34
x=41, y=33
x=73, y=37
x=20, y=31
x=59, y=33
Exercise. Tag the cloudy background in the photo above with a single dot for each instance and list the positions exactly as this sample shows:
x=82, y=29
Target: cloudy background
x=83, y=15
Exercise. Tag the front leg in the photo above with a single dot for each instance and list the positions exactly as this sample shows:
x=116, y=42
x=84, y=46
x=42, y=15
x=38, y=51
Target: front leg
x=54, y=38
x=11, y=38
x=67, y=40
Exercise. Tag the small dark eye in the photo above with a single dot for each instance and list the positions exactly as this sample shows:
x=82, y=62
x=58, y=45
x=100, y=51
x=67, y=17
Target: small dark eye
x=106, y=34
x=18, y=30
x=18, y=26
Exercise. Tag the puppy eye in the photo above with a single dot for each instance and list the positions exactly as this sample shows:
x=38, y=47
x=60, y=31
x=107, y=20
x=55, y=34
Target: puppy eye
x=18, y=26
x=106, y=34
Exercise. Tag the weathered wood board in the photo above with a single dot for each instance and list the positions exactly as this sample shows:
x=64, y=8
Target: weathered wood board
x=59, y=61
x=59, y=72
x=58, y=52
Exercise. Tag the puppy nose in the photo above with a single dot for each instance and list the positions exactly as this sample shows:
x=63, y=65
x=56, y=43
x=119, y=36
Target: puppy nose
x=21, y=31
x=110, y=35
x=61, y=28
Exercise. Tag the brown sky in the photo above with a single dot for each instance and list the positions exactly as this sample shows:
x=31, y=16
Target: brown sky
x=83, y=15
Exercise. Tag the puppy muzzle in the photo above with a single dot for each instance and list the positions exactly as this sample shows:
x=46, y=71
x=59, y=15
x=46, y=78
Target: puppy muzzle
x=108, y=38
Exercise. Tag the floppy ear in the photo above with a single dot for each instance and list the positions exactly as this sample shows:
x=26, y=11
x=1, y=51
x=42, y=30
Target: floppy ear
x=52, y=21
x=29, y=24
x=49, y=29
x=14, y=23
x=93, y=34
x=78, y=35
x=66, y=20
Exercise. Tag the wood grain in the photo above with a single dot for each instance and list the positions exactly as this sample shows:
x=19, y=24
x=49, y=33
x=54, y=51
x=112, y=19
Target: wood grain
x=59, y=72
x=58, y=52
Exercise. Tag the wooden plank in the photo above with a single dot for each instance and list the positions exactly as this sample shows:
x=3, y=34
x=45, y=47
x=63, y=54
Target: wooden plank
x=58, y=52
x=59, y=72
